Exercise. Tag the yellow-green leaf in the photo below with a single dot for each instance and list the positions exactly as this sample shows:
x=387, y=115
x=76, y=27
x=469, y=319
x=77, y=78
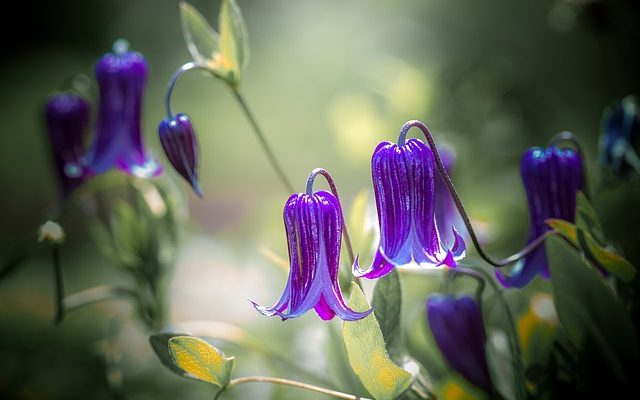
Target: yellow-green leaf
x=234, y=46
x=367, y=353
x=201, y=360
x=457, y=388
x=587, y=218
x=603, y=257
x=202, y=41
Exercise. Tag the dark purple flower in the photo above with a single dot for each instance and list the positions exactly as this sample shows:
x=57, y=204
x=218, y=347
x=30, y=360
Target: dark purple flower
x=67, y=119
x=181, y=147
x=446, y=212
x=404, y=186
x=458, y=329
x=118, y=143
x=552, y=177
x=313, y=223
x=620, y=137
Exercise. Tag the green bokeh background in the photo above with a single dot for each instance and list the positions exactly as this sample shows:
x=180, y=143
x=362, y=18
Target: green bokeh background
x=327, y=81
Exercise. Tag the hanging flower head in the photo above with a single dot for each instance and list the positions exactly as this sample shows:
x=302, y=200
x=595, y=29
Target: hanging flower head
x=620, y=138
x=67, y=119
x=313, y=223
x=552, y=177
x=121, y=77
x=404, y=186
x=180, y=144
x=458, y=329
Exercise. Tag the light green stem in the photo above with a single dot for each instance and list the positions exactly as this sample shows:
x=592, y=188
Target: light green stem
x=287, y=382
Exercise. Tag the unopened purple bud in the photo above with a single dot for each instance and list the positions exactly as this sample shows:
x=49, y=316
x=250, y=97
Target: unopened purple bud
x=118, y=143
x=67, y=118
x=181, y=147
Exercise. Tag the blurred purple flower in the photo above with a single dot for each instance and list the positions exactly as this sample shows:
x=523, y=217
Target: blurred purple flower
x=313, y=223
x=458, y=329
x=552, y=177
x=620, y=137
x=446, y=212
x=67, y=119
x=404, y=186
x=180, y=144
x=118, y=143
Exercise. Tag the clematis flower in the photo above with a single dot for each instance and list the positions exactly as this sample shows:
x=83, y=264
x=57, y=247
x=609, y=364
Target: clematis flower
x=313, y=223
x=180, y=144
x=552, y=177
x=404, y=186
x=121, y=77
x=458, y=329
x=620, y=138
x=67, y=119
x=446, y=212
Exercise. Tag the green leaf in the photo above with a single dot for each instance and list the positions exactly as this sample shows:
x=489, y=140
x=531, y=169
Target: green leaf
x=587, y=219
x=588, y=310
x=160, y=345
x=603, y=257
x=339, y=363
x=367, y=353
x=234, y=46
x=201, y=360
x=202, y=41
x=454, y=387
x=387, y=305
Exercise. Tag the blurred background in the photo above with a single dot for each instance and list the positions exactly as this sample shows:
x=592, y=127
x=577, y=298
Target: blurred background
x=327, y=81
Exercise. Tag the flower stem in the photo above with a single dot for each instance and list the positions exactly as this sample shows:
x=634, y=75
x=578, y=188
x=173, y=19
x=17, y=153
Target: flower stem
x=334, y=190
x=263, y=141
x=172, y=82
x=57, y=272
x=456, y=199
x=287, y=382
x=94, y=295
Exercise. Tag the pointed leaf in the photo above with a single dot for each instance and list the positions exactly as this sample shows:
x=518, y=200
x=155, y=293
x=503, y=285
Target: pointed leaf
x=587, y=219
x=600, y=256
x=367, y=353
x=201, y=360
x=588, y=310
x=202, y=41
x=160, y=345
x=234, y=46
x=387, y=305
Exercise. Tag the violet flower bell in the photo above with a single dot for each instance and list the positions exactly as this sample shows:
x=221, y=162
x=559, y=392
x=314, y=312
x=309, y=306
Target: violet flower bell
x=552, y=177
x=67, y=119
x=404, y=187
x=121, y=77
x=180, y=144
x=313, y=223
x=458, y=329
x=620, y=138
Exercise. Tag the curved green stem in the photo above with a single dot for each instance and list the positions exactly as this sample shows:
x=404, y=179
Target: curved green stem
x=287, y=382
x=59, y=293
x=262, y=139
x=94, y=295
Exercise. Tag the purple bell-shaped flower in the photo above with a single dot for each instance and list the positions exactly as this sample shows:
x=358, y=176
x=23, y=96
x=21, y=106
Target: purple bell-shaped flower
x=404, y=186
x=67, y=119
x=552, y=177
x=458, y=329
x=180, y=144
x=118, y=143
x=313, y=223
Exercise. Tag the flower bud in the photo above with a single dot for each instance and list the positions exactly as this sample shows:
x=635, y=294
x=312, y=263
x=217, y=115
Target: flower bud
x=180, y=144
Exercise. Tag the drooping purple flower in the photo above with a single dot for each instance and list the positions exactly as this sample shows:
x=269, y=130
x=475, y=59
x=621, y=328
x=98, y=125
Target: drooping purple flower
x=404, y=186
x=620, y=137
x=552, y=177
x=180, y=144
x=119, y=143
x=446, y=212
x=67, y=119
x=458, y=329
x=313, y=223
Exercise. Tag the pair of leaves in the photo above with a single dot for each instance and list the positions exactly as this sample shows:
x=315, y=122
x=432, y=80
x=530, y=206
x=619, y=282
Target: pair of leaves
x=589, y=311
x=193, y=358
x=227, y=53
x=367, y=353
x=588, y=236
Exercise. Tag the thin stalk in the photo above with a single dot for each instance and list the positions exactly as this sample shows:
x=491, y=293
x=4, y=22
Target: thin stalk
x=472, y=273
x=287, y=382
x=172, y=82
x=334, y=190
x=94, y=295
x=456, y=200
x=262, y=139
x=59, y=293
